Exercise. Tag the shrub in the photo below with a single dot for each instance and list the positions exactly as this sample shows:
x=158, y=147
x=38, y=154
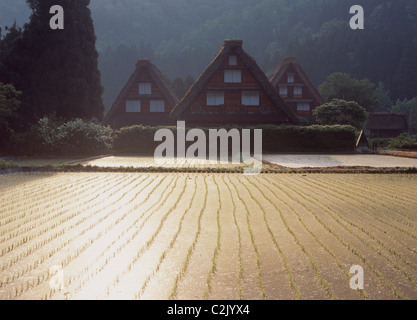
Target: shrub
x=7, y=164
x=402, y=142
x=74, y=137
x=341, y=112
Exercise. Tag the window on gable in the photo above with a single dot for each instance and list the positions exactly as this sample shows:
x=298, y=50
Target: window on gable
x=250, y=98
x=290, y=78
x=215, y=98
x=145, y=88
x=232, y=60
x=283, y=91
x=157, y=106
x=133, y=106
x=233, y=76
x=298, y=91
x=302, y=106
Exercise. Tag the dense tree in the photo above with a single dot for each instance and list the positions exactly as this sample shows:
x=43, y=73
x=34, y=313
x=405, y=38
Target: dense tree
x=9, y=104
x=342, y=86
x=183, y=36
x=341, y=112
x=384, y=98
x=58, y=69
x=409, y=107
x=181, y=86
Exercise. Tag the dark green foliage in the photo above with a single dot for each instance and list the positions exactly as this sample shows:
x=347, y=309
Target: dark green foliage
x=57, y=70
x=9, y=104
x=402, y=142
x=341, y=112
x=181, y=86
x=74, y=137
x=409, y=107
x=342, y=86
x=280, y=139
x=7, y=164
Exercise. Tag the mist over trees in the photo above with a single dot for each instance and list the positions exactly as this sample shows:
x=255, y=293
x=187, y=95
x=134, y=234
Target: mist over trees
x=183, y=36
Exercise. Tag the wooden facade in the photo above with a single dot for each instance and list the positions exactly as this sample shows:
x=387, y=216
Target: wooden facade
x=387, y=125
x=146, y=99
x=296, y=88
x=233, y=90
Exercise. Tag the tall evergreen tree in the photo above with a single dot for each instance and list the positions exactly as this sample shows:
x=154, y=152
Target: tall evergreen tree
x=59, y=68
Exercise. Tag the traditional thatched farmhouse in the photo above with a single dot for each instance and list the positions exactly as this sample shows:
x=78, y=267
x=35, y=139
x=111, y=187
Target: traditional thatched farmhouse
x=146, y=99
x=233, y=90
x=296, y=88
x=387, y=125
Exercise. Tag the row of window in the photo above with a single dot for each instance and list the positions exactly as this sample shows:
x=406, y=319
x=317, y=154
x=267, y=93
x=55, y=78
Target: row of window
x=249, y=98
x=283, y=91
x=136, y=106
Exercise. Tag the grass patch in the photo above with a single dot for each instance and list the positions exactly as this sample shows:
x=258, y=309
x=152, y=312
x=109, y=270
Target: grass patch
x=4, y=165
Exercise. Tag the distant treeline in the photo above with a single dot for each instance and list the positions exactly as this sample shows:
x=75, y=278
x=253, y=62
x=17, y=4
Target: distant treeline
x=182, y=37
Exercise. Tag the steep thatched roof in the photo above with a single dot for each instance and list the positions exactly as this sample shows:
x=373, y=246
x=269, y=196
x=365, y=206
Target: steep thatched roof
x=281, y=69
x=233, y=47
x=158, y=78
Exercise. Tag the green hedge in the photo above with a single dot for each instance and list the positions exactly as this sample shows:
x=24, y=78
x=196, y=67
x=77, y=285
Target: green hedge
x=276, y=139
x=402, y=142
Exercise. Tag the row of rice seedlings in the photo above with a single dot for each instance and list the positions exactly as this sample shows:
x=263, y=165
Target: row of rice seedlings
x=41, y=192
x=33, y=221
x=239, y=237
x=326, y=286
x=92, y=239
x=109, y=226
x=151, y=240
x=105, y=255
x=411, y=278
x=326, y=209
x=392, y=190
x=217, y=248
x=45, y=217
x=252, y=238
x=39, y=234
x=130, y=238
x=123, y=233
x=55, y=249
x=362, y=210
x=21, y=210
x=404, y=185
x=25, y=189
x=369, y=203
x=388, y=234
x=306, y=227
x=383, y=200
x=171, y=245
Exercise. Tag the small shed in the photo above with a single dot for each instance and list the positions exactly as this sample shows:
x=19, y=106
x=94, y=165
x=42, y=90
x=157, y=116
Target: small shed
x=387, y=125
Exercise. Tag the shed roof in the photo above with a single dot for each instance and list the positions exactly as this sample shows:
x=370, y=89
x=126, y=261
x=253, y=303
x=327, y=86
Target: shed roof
x=387, y=121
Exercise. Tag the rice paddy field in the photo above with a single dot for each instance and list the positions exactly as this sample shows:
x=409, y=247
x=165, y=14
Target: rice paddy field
x=207, y=236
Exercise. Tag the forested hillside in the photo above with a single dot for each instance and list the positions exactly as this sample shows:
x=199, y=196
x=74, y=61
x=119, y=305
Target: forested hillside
x=183, y=36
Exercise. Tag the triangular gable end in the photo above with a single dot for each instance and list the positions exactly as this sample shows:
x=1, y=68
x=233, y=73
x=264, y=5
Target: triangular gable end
x=295, y=87
x=268, y=107
x=144, y=71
